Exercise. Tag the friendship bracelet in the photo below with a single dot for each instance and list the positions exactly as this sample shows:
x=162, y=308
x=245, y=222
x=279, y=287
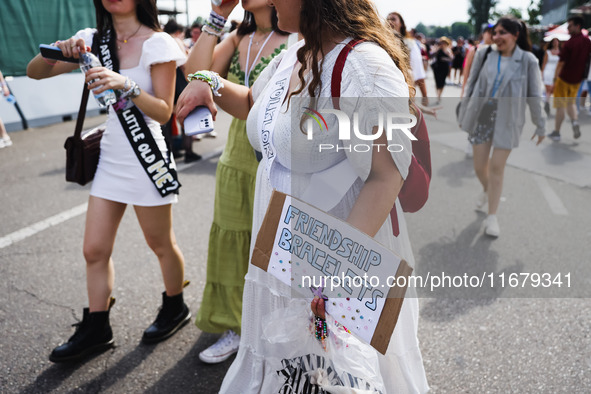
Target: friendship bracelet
x=215, y=33
x=216, y=21
x=210, y=77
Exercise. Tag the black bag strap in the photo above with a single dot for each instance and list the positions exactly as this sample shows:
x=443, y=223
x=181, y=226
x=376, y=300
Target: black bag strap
x=81, y=113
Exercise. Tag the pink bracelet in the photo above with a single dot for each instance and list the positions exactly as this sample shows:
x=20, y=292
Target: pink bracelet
x=48, y=62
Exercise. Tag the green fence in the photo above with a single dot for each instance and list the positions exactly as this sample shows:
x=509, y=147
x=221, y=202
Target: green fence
x=24, y=24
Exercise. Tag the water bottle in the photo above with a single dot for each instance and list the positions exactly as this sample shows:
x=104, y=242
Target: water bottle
x=87, y=61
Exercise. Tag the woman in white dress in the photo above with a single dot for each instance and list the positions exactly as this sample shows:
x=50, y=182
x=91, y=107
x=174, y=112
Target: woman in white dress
x=548, y=70
x=377, y=68
x=143, y=60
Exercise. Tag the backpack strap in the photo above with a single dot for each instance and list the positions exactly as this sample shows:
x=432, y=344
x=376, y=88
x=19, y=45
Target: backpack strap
x=337, y=72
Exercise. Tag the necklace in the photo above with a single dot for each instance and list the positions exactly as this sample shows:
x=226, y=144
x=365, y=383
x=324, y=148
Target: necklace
x=263, y=38
x=248, y=71
x=124, y=40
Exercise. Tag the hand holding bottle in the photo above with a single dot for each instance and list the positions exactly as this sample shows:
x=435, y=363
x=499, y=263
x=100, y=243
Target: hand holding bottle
x=223, y=7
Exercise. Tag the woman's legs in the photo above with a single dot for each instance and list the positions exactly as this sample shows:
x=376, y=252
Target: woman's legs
x=102, y=220
x=156, y=224
x=495, y=178
x=481, y=162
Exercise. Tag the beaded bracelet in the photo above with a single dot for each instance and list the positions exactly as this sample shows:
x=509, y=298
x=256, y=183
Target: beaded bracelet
x=212, y=78
x=206, y=29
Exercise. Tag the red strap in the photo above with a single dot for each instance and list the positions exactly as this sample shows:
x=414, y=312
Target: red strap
x=337, y=72
x=415, y=190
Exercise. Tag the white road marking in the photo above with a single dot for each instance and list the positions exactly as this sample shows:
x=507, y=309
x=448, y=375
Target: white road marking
x=181, y=167
x=42, y=225
x=556, y=205
x=76, y=211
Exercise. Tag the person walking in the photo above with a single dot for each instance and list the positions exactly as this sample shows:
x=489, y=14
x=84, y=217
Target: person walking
x=441, y=65
x=291, y=161
x=493, y=112
x=143, y=60
x=570, y=72
x=396, y=22
x=242, y=56
x=457, y=64
x=549, y=69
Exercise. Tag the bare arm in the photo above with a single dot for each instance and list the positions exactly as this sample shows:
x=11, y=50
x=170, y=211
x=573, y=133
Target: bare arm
x=40, y=68
x=558, y=70
x=235, y=99
x=206, y=55
x=467, y=68
x=377, y=197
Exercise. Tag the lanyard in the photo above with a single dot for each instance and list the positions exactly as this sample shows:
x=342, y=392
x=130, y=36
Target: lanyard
x=247, y=71
x=498, y=80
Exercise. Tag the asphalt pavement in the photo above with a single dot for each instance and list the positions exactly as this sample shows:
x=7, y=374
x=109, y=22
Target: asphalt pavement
x=502, y=339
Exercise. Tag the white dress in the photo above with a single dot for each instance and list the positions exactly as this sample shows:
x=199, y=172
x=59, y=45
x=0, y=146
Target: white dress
x=120, y=176
x=369, y=72
x=550, y=68
x=416, y=59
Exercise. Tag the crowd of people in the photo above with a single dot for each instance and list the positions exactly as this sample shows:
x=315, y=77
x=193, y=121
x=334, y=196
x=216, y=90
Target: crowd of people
x=296, y=45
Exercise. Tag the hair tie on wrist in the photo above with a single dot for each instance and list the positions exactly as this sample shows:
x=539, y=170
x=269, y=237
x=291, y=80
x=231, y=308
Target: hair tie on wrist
x=48, y=62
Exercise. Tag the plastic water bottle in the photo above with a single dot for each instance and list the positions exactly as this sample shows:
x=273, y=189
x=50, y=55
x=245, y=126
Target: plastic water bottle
x=87, y=61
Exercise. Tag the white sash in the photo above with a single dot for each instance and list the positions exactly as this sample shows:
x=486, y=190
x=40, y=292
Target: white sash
x=273, y=98
x=326, y=188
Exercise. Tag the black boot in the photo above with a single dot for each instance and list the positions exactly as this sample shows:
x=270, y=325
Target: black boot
x=173, y=315
x=93, y=335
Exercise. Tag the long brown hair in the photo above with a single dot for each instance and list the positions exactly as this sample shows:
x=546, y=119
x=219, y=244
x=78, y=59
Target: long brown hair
x=349, y=18
x=146, y=11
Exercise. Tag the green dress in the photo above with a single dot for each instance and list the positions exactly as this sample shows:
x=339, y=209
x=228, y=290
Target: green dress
x=229, y=237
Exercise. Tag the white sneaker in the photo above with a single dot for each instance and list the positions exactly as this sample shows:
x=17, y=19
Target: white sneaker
x=491, y=226
x=482, y=202
x=220, y=351
x=4, y=142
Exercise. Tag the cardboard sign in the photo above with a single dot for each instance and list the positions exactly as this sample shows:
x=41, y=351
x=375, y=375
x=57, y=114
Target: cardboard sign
x=308, y=249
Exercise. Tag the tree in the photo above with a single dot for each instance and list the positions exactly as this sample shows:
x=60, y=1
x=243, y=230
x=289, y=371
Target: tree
x=439, y=31
x=516, y=12
x=421, y=28
x=461, y=29
x=480, y=12
x=534, y=12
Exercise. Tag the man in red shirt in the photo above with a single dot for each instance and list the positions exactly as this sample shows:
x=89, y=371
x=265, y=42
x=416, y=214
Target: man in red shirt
x=570, y=71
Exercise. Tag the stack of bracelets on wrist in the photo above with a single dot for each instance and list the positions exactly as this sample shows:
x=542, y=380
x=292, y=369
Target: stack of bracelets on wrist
x=214, y=25
x=130, y=89
x=212, y=78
